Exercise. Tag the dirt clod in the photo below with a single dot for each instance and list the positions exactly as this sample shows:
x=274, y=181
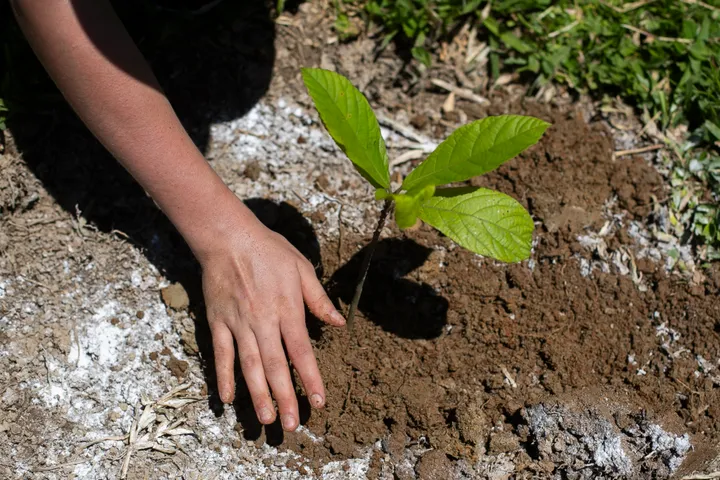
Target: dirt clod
x=253, y=170
x=175, y=297
x=177, y=367
x=434, y=465
x=473, y=424
x=503, y=442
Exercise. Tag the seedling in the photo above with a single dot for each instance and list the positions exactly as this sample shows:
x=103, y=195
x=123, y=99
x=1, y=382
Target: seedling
x=484, y=221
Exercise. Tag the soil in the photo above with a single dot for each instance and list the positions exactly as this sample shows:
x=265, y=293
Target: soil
x=593, y=359
x=450, y=339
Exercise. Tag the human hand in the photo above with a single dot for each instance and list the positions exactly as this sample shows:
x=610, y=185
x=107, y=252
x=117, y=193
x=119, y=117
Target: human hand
x=254, y=282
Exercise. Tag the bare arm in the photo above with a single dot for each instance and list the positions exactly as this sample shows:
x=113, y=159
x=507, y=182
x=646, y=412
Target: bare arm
x=254, y=281
x=111, y=87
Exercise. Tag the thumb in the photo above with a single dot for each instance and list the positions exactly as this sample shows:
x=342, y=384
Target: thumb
x=315, y=297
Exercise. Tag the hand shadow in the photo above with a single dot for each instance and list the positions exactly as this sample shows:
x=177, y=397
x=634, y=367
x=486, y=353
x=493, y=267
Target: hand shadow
x=398, y=305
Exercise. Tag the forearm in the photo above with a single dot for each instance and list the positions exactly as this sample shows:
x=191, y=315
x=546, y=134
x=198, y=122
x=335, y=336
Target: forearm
x=106, y=80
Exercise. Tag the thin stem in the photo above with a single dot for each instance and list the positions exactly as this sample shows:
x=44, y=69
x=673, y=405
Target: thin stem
x=366, y=263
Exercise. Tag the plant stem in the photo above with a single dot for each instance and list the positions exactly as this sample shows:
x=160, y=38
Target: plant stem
x=366, y=264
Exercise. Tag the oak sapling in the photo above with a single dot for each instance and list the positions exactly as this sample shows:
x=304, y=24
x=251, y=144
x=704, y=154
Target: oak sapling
x=484, y=221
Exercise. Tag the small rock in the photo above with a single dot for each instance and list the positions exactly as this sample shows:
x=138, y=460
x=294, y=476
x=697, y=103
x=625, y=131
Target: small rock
x=322, y=182
x=503, y=442
x=153, y=355
x=175, y=297
x=451, y=116
x=253, y=170
x=114, y=321
x=317, y=217
x=140, y=314
x=419, y=121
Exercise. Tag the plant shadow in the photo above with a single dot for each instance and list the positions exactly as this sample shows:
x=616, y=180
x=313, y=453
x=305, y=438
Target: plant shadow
x=398, y=305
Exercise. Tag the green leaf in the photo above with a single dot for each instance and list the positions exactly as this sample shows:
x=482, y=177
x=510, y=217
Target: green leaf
x=421, y=55
x=712, y=128
x=476, y=148
x=484, y=221
x=351, y=122
x=513, y=41
x=382, y=194
x=407, y=206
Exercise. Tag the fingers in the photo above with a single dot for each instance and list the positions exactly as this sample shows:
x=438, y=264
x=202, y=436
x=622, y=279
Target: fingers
x=224, y=361
x=278, y=375
x=254, y=374
x=315, y=297
x=301, y=353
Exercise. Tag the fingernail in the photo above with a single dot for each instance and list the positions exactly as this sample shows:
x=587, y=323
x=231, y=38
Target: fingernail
x=226, y=397
x=265, y=415
x=288, y=422
x=337, y=318
x=317, y=400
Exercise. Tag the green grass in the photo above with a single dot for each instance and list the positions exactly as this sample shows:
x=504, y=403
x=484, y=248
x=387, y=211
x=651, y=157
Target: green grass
x=661, y=56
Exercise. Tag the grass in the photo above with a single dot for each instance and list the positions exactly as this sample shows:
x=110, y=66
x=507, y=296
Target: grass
x=663, y=57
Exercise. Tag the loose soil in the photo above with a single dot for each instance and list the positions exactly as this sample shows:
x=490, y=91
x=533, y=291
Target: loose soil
x=449, y=341
x=590, y=360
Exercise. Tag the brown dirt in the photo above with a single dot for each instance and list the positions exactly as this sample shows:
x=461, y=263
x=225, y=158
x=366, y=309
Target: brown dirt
x=443, y=330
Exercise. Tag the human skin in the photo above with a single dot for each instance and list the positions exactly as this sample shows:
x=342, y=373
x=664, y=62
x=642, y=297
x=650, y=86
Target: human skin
x=254, y=280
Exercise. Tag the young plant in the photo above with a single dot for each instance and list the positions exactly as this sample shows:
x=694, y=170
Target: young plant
x=484, y=221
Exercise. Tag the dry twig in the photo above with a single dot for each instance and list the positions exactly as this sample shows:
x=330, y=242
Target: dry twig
x=702, y=4
x=50, y=468
x=403, y=130
x=509, y=378
x=459, y=92
x=702, y=476
x=651, y=36
x=635, y=151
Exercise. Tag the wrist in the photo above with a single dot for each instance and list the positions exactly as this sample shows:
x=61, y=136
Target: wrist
x=222, y=225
